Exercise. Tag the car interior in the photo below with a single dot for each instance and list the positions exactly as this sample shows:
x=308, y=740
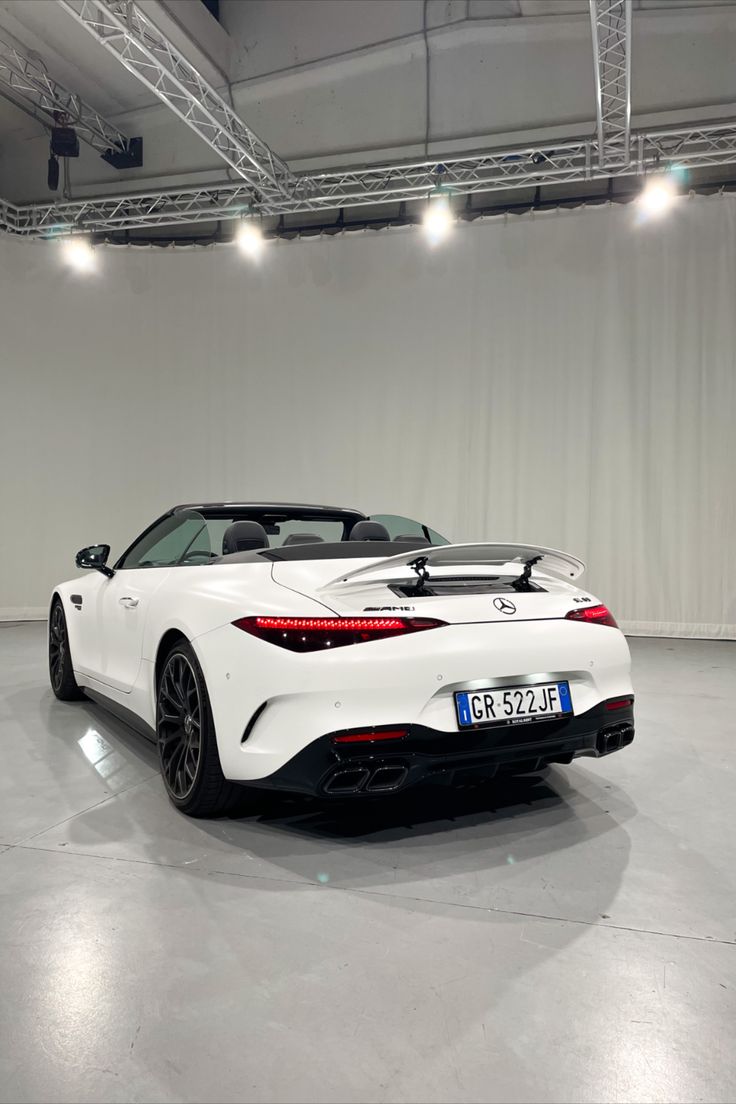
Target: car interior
x=249, y=536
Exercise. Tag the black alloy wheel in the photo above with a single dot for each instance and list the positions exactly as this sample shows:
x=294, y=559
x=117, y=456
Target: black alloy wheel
x=179, y=726
x=187, y=744
x=61, y=673
x=57, y=646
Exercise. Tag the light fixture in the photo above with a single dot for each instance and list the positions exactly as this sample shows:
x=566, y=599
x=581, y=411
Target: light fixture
x=437, y=221
x=658, y=195
x=79, y=254
x=250, y=239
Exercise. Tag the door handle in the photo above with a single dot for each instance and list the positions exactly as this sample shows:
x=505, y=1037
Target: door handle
x=129, y=603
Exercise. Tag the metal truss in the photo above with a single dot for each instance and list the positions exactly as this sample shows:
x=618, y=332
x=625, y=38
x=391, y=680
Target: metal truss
x=138, y=210
x=267, y=186
x=611, y=26
x=688, y=148
x=478, y=172
x=9, y=213
x=145, y=51
x=490, y=171
x=28, y=78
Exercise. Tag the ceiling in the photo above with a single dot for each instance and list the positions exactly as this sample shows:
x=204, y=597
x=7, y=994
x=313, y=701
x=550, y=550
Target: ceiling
x=344, y=82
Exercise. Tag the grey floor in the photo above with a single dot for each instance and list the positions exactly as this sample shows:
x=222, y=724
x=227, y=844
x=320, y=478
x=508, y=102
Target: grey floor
x=567, y=938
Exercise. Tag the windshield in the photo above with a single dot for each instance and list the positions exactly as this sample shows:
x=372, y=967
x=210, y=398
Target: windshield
x=190, y=537
x=177, y=539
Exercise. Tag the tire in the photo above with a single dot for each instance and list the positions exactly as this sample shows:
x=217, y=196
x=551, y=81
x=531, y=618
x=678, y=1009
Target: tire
x=61, y=672
x=187, y=745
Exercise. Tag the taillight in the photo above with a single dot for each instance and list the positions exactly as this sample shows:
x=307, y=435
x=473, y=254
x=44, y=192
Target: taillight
x=310, y=634
x=594, y=615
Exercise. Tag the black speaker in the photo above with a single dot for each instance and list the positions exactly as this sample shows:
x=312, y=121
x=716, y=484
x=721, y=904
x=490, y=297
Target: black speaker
x=64, y=142
x=53, y=174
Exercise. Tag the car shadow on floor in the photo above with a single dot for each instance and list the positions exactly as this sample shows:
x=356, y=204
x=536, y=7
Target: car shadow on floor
x=426, y=833
x=558, y=807
x=426, y=808
x=444, y=833
x=554, y=793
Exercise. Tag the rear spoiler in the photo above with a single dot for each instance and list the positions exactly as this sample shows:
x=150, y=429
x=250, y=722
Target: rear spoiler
x=508, y=559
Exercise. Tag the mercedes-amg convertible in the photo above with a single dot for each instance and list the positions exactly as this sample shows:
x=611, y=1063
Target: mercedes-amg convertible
x=314, y=649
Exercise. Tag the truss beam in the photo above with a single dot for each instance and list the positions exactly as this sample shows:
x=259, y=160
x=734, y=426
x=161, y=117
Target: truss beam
x=611, y=26
x=26, y=77
x=490, y=171
x=145, y=51
x=9, y=221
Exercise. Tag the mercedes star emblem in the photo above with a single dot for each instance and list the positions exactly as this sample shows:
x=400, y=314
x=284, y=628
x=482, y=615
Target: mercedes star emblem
x=504, y=606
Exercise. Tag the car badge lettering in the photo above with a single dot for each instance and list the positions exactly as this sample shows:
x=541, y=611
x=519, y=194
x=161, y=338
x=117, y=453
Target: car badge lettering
x=503, y=605
x=388, y=609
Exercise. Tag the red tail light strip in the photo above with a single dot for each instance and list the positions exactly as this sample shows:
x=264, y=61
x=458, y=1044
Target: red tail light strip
x=618, y=703
x=325, y=624
x=593, y=615
x=310, y=634
x=370, y=737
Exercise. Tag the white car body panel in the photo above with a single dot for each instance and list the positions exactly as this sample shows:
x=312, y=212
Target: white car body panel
x=286, y=700
x=410, y=680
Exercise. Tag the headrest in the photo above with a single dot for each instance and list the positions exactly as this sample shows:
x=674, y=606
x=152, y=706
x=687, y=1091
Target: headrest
x=302, y=538
x=369, y=531
x=242, y=536
x=409, y=538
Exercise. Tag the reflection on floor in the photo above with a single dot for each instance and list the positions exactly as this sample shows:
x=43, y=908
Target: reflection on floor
x=569, y=936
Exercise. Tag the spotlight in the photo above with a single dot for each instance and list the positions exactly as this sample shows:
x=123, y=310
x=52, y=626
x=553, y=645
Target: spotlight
x=658, y=195
x=250, y=239
x=437, y=221
x=79, y=254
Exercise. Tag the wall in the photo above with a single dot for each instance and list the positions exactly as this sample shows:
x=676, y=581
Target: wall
x=566, y=379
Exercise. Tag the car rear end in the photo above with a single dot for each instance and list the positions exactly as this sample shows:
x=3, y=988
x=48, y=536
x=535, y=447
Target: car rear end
x=472, y=677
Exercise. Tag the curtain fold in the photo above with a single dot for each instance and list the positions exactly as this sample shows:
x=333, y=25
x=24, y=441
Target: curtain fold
x=565, y=379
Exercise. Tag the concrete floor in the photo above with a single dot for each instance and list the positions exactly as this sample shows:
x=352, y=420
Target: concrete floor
x=567, y=938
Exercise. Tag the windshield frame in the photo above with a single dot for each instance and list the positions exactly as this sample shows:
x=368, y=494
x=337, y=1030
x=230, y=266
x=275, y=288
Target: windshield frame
x=261, y=512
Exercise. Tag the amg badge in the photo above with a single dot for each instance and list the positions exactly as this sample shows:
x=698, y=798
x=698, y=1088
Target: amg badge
x=388, y=609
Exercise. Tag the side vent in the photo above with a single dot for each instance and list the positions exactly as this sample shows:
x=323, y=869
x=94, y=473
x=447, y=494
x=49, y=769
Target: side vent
x=252, y=722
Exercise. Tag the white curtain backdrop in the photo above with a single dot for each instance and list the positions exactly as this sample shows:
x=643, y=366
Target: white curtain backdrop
x=566, y=379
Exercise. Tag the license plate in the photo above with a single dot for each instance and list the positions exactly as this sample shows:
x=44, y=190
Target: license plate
x=510, y=705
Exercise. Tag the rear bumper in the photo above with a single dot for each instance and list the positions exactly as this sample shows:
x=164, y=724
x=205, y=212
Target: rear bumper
x=425, y=754
x=271, y=705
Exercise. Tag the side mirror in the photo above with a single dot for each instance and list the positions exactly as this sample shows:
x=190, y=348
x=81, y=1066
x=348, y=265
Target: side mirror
x=95, y=556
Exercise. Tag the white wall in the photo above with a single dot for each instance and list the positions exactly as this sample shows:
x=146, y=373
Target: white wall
x=567, y=379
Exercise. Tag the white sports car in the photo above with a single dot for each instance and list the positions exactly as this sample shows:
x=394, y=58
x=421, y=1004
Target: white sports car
x=313, y=649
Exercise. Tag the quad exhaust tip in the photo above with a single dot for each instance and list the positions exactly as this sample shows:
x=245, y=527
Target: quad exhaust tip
x=352, y=780
x=386, y=778
x=347, y=781
x=614, y=737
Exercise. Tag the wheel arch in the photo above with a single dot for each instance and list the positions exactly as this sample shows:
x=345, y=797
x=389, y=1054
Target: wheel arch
x=62, y=594
x=165, y=644
x=56, y=597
